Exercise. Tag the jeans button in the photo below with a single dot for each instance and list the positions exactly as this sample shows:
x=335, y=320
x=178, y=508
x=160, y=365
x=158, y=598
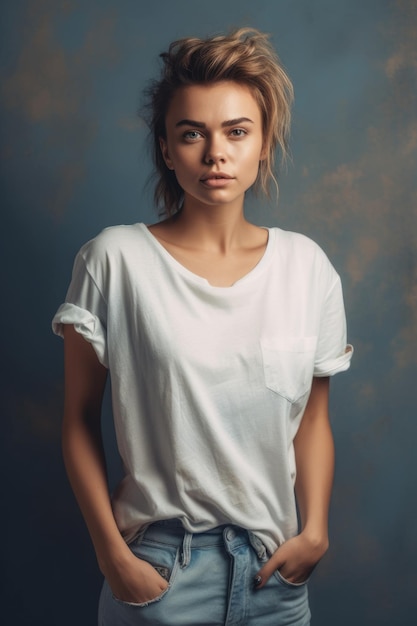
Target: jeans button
x=230, y=534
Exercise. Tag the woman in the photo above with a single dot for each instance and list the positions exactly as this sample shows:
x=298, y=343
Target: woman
x=219, y=337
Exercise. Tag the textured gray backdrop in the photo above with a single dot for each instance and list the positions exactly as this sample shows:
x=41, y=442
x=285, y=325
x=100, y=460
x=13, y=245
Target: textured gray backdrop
x=73, y=160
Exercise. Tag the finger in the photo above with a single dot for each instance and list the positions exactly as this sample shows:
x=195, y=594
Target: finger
x=266, y=572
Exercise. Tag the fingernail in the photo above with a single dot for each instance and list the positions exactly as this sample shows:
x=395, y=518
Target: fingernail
x=257, y=581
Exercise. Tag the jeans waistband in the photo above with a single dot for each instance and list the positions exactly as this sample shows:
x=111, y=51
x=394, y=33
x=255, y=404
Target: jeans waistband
x=172, y=533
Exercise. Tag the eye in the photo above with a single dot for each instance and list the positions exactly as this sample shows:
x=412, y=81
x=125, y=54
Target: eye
x=239, y=132
x=192, y=135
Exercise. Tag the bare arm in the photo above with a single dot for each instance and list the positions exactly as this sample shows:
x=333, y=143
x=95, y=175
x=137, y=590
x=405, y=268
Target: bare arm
x=130, y=578
x=314, y=452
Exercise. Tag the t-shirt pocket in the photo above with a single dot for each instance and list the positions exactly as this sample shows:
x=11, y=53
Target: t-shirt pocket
x=288, y=364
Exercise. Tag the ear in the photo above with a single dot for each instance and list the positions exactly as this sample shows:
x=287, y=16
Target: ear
x=264, y=152
x=165, y=154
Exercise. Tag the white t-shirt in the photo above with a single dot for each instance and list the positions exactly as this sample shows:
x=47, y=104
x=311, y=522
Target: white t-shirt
x=209, y=384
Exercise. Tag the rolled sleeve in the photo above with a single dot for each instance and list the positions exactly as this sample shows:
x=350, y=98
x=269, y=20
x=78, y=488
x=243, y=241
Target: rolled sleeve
x=333, y=353
x=85, y=307
x=338, y=364
x=86, y=324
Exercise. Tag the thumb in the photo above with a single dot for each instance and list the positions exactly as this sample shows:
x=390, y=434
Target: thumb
x=266, y=571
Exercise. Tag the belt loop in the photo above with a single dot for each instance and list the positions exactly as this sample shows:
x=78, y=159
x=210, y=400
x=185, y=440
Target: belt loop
x=258, y=546
x=186, y=549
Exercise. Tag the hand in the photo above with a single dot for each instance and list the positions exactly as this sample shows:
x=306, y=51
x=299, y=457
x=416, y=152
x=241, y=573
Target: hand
x=295, y=559
x=135, y=580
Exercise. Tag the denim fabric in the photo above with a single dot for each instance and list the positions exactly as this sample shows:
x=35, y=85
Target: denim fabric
x=211, y=583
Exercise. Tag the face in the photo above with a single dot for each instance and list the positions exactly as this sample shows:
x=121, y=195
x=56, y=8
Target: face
x=214, y=142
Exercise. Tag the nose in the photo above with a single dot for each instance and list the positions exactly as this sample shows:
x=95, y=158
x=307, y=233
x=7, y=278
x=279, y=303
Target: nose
x=215, y=152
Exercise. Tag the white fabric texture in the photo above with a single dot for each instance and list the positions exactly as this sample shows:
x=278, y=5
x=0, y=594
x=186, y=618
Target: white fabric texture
x=209, y=384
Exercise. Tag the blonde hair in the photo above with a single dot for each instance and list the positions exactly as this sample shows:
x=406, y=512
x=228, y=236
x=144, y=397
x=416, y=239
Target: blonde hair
x=244, y=56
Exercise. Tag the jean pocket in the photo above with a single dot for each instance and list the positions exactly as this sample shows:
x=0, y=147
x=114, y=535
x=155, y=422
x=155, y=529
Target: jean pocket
x=283, y=581
x=164, y=559
x=288, y=364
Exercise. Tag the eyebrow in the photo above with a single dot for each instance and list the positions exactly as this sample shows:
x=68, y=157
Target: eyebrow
x=225, y=124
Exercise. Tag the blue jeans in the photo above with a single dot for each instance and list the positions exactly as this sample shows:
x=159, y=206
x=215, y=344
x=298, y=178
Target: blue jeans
x=211, y=583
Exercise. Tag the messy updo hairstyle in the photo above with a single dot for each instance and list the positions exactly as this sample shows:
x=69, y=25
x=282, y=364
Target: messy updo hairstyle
x=244, y=56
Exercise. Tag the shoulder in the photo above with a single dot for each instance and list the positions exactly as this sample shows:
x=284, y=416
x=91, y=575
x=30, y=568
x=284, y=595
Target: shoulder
x=109, y=252
x=113, y=238
x=111, y=242
x=303, y=255
x=297, y=244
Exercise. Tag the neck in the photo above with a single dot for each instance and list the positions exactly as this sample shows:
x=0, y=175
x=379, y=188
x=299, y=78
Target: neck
x=213, y=231
x=215, y=228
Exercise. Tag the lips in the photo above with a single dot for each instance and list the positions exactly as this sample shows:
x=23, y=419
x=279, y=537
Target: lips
x=216, y=179
x=216, y=176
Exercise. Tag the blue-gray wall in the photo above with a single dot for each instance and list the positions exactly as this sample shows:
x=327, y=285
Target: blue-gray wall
x=73, y=160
